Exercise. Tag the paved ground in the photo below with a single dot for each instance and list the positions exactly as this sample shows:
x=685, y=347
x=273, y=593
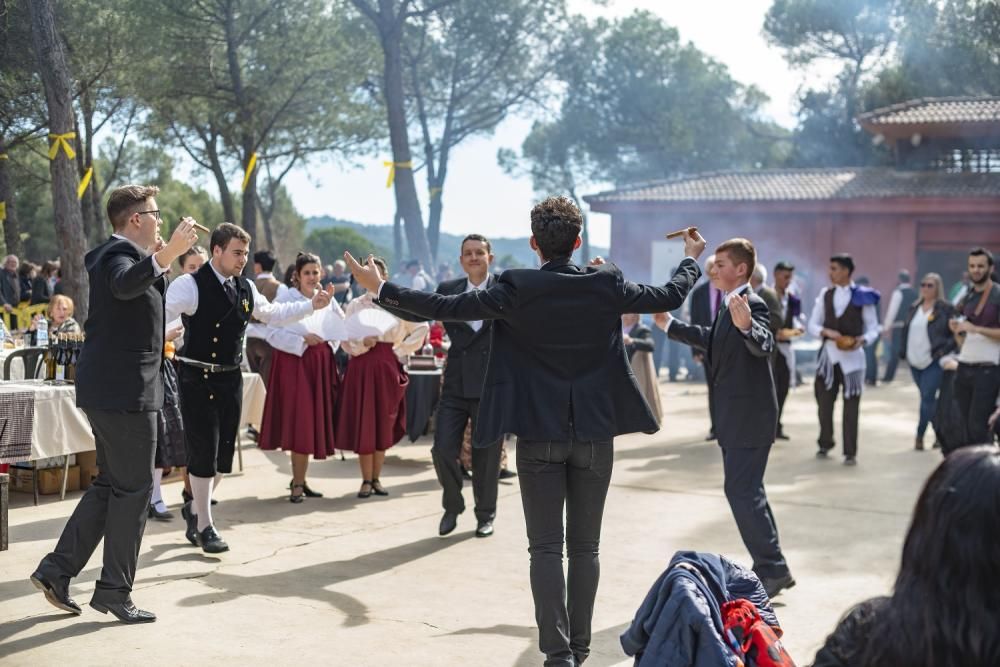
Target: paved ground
x=343, y=581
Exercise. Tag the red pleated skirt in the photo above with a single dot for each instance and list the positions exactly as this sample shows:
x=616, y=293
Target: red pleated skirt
x=371, y=415
x=301, y=407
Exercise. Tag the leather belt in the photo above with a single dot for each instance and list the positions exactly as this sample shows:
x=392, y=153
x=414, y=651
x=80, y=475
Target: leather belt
x=211, y=368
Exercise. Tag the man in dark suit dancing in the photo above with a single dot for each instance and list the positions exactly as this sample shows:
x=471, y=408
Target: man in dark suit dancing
x=119, y=388
x=558, y=377
x=738, y=349
x=463, y=384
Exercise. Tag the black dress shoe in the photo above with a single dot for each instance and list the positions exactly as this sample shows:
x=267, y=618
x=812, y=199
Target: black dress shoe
x=448, y=523
x=781, y=436
x=774, y=585
x=191, y=519
x=126, y=612
x=484, y=529
x=160, y=516
x=57, y=595
x=210, y=541
x=507, y=474
x=823, y=453
x=378, y=489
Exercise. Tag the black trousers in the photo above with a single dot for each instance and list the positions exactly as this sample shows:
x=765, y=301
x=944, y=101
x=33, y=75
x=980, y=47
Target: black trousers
x=572, y=474
x=211, y=404
x=453, y=413
x=825, y=398
x=782, y=381
x=113, y=508
x=976, y=390
x=259, y=357
x=743, y=469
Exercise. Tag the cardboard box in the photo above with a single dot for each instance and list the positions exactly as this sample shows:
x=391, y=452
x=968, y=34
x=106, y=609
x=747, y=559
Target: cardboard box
x=88, y=469
x=49, y=480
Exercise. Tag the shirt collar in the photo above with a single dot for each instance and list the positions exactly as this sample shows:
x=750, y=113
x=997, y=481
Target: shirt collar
x=125, y=238
x=470, y=286
x=738, y=290
x=264, y=275
x=222, y=278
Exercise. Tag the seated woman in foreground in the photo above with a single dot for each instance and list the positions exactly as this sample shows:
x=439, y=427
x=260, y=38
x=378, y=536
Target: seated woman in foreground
x=945, y=608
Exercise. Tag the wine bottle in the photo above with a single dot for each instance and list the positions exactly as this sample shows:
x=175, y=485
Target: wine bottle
x=50, y=359
x=60, y=359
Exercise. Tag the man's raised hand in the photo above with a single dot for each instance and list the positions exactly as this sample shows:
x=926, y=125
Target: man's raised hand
x=694, y=243
x=321, y=299
x=662, y=319
x=368, y=275
x=739, y=310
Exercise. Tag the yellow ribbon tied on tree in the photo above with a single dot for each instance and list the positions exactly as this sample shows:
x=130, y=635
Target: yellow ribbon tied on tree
x=62, y=140
x=4, y=156
x=250, y=167
x=392, y=170
x=84, y=182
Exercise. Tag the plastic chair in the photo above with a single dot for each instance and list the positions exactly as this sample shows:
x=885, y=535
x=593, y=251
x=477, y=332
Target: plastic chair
x=31, y=357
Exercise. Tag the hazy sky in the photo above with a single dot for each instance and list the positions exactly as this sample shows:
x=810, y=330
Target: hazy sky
x=480, y=197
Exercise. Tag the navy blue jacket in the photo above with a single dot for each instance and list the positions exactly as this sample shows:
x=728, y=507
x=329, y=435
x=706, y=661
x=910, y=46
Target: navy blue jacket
x=680, y=621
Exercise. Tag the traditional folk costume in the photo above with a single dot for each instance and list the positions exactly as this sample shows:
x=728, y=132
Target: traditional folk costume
x=300, y=412
x=372, y=412
x=211, y=383
x=849, y=309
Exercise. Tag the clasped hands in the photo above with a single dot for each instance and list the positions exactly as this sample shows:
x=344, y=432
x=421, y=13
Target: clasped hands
x=835, y=335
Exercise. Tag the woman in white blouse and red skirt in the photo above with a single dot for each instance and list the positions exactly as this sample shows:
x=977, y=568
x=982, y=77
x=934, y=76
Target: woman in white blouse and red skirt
x=302, y=390
x=372, y=413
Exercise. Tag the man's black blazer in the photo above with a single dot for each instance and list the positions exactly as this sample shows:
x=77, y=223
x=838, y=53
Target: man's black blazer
x=120, y=364
x=745, y=407
x=557, y=368
x=701, y=304
x=470, y=350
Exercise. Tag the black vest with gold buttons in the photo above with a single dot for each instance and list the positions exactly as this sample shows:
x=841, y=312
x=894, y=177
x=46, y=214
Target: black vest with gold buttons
x=214, y=334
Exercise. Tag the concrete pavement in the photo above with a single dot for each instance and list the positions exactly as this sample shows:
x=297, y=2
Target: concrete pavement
x=345, y=581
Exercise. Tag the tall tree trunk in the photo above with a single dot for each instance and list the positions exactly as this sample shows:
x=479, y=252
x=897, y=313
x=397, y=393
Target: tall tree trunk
x=56, y=79
x=225, y=196
x=397, y=239
x=85, y=159
x=249, y=202
x=436, y=194
x=11, y=230
x=407, y=204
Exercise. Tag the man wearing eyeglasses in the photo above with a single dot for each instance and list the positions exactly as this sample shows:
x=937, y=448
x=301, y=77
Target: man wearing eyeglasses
x=119, y=388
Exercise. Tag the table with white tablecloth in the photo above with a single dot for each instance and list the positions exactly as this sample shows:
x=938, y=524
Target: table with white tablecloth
x=40, y=420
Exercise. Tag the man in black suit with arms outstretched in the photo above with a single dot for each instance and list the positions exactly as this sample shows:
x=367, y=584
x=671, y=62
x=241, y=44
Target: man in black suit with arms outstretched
x=738, y=348
x=558, y=378
x=119, y=388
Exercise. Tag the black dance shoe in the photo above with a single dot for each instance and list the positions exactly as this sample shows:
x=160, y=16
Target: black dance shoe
x=57, y=594
x=126, y=612
x=210, y=541
x=191, y=521
x=160, y=516
x=378, y=489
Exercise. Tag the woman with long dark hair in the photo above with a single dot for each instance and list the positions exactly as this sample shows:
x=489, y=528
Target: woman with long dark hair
x=926, y=338
x=945, y=608
x=303, y=383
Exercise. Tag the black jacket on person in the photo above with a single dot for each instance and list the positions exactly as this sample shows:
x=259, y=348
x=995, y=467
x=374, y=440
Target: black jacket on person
x=642, y=339
x=120, y=364
x=701, y=304
x=557, y=368
x=470, y=350
x=942, y=339
x=739, y=370
x=40, y=292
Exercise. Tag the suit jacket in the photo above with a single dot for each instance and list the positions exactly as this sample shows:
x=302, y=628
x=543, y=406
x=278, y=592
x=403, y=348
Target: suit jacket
x=739, y=372
x=120, y=364
x=470, y=350
x=557, y=369
x=642, y=339
x=775, y=313
x=701, y=304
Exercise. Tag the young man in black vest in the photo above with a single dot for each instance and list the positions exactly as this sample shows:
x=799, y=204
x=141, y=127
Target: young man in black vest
x=219, y=303
x=119, y=388
x=844, y=318
x=738, y=349
x=558, y=378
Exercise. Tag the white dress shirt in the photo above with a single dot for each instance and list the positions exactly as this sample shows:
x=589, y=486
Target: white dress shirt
x=918, y=342
x=182, y=299
x=895, y=303
x=469, y=287
x=290, y=336
x=849, y=360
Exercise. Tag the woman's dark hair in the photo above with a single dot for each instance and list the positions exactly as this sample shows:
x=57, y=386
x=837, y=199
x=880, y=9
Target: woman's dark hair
x=556, y=223
x=945, y=609
x=302, y=259
x=289, y=275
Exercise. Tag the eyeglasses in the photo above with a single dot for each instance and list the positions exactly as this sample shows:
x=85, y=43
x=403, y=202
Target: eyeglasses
x=155, y=213
x=931, y=285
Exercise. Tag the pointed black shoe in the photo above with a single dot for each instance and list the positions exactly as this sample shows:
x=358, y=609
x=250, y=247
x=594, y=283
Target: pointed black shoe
x=191, y=519
x=210, y=541
x=160, y=516
x=448, y=523
x=57, y=596
x=126, y=612
x=484, y=529
x=774, y=585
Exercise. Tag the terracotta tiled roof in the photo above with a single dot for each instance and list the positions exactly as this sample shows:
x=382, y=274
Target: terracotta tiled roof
x=808, y=185
x=936, y=110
